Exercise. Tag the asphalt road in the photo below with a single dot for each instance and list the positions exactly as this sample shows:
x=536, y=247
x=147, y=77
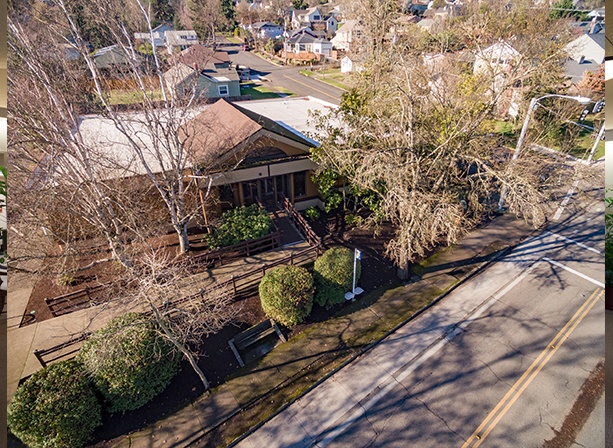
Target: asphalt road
x=506, y=375
x=509, y=378
x=288, y=77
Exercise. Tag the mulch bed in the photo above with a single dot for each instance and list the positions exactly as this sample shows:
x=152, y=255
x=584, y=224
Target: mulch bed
x=218, y=362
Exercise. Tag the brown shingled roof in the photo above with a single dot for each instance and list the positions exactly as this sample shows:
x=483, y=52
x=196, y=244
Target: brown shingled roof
x=201, y=56
x=213, y=134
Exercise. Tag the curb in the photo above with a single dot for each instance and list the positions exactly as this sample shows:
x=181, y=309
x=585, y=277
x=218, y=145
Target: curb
x=484, y=265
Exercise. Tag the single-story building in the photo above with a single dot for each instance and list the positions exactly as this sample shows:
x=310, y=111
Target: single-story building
x=251, y=151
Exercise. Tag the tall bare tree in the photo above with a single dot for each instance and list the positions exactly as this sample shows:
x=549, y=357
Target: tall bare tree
x=161, y=155
x=413, y=131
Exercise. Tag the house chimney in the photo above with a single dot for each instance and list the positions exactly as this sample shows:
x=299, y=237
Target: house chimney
x=195, y=66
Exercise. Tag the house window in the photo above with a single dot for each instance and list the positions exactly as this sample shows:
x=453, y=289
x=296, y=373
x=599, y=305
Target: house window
x=223, y=90
x=300, y=184
x=316, y=17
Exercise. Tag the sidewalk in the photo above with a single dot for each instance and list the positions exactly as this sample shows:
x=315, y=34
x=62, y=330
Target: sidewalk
x=21, y=342
x=261, y=388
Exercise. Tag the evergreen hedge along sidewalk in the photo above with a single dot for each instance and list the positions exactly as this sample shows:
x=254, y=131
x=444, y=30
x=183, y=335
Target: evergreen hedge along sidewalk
x=259, y=390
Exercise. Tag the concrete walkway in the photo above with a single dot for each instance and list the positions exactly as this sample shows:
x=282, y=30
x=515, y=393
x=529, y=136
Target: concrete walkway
x=346, y=332
x=21, y=342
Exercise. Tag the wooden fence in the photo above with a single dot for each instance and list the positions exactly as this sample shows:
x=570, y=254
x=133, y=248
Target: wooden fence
x=238, y=286
x=85, y=297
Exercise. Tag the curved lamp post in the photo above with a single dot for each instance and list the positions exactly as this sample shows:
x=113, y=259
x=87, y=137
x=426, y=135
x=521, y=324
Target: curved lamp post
x=524, y=129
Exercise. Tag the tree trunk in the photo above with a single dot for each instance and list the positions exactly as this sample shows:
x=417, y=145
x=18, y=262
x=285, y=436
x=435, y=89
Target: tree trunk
x=183, y=239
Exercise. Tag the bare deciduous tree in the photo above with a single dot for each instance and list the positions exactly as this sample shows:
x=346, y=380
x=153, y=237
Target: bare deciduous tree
x=414, y=131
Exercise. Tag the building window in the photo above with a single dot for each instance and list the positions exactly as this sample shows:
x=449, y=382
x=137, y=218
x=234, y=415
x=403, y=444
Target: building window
x=223, y=90
x=300, y=184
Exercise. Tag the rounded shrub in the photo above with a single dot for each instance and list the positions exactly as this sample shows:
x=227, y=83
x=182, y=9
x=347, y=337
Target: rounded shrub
x=286, y=293
x=333, y=274
x=55, y=407
x=129, y=361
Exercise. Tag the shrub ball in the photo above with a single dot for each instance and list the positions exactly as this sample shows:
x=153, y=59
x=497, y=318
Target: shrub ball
x=129, y=361
x=333, y=274
x=286, y=293
x=55, y=407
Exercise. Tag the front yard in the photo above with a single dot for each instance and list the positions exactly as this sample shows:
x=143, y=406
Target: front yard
x=332, y=76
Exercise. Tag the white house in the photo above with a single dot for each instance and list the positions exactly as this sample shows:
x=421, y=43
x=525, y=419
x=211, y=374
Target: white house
x=180, y=40
x=347, y=35
x=306, y=43
x=157, y=35
x=305, y=17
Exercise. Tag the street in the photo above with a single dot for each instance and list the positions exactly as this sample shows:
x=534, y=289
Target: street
x=499, y=362
x=284, y=76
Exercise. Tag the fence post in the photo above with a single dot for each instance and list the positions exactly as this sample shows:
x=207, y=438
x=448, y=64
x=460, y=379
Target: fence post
x=291, y=258
x=234, y=284
x=40, y=358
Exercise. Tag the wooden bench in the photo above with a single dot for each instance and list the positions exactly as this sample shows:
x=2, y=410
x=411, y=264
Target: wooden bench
x=253, y=335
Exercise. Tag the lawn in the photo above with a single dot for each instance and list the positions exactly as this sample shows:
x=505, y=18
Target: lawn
x=332, y=76
x=262, y=92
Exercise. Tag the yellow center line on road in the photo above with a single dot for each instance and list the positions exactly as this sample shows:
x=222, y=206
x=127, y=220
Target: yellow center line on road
x=312, y=88
x=518, y=388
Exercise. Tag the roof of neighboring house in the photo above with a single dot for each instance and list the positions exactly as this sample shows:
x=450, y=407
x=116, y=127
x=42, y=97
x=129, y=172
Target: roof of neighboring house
x=259, y=25
x=306, y=38
x=501, y=50
x=347, y=26
x=201, y=56
x=589, y=46
x=105, y=50
x=221, y=74
x=178, y=73
x=175, y=38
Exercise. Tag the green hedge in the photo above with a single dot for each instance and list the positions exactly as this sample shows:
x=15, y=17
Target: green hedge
x=333, y=274
x=129, y=361
x=286, y=294
x=55, y=407
x=240, y=224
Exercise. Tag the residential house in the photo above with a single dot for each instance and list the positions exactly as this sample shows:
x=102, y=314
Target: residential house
x=305, y=47
x=586, y=53
x=267, y=30
x=348, y=36
x=113, y=59
x=179, y=40
x=204, y=73
x=494, y=64
x=157, y=37
x=301, y=18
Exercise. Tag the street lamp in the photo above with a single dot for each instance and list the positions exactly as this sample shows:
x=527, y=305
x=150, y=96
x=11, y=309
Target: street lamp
x=524, y=129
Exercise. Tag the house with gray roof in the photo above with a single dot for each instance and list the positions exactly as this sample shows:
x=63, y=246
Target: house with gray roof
x=180, y=40
x=586, y=53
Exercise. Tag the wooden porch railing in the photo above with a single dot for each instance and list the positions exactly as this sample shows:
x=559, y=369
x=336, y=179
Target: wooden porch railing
x=312, y=238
